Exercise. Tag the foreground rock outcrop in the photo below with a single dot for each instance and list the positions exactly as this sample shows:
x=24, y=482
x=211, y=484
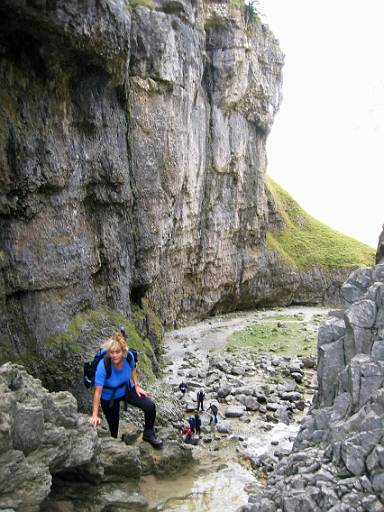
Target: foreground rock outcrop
x=132, y=154
x=43, y=438
x=337, y=461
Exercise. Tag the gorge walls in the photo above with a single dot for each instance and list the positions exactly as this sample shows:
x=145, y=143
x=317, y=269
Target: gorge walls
x=132, y=163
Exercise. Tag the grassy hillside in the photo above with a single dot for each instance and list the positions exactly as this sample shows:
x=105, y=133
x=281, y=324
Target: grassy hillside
x=306, y=242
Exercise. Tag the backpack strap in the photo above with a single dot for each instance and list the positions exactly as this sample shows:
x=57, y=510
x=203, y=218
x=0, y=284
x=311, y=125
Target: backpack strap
x=131, y=358
x=108, y=366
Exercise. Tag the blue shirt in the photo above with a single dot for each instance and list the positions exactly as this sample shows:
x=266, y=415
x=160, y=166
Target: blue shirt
x=118, y=377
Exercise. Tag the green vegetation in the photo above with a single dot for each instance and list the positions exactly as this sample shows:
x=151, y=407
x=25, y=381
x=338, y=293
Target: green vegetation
x=215, y=21
x=144, y=3
x=316, y=319
x=306, y=242
x=251, y=11
x=293, y=339
x=98, y=324
x=296, y=316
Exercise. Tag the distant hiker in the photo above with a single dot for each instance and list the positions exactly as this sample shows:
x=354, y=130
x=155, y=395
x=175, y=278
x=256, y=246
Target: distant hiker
x=380, y=248
x=214, y=411
x=187, y=434
x=200, y=399
x=192, y=425
x=116, y=381
x=197, y=424
x=183, y=387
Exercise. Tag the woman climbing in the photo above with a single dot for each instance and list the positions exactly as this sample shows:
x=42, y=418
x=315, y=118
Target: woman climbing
x=116, y=380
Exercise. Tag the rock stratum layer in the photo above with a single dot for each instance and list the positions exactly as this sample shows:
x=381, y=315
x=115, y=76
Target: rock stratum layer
x=132, y=156
x=337, y=463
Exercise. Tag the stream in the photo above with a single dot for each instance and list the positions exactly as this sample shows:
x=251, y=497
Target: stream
x=222, y=475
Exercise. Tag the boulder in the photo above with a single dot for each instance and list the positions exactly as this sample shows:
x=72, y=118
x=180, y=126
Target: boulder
x=42, y=434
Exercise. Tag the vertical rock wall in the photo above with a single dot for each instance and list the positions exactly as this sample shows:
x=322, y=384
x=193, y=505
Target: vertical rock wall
x=337, y=462
x=132, y=159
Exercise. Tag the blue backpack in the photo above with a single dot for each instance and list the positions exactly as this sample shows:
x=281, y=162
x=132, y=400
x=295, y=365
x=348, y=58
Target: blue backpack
x=192, y=423
x=91, y=366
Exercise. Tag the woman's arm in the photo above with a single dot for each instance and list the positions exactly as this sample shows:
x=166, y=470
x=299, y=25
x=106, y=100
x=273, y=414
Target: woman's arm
x=135, y=378
x=95, y=418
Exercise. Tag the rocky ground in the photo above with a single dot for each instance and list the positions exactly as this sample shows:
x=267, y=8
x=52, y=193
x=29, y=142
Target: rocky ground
x=337, y=462
x=61, y=465
x=261, y=398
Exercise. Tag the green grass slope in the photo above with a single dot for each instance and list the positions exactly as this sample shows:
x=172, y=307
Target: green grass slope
x=306, y=242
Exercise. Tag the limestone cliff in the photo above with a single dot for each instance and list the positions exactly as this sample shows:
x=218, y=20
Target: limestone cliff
x=132, y=158
x=337, y=462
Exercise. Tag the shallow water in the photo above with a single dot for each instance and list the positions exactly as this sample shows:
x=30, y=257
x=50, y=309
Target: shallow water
x=213, y=487
x=221, y=478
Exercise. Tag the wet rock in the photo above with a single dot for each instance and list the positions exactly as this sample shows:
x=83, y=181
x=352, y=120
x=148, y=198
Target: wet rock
x=131, y=436
x=119, y=461
x=291, y=396
x=234, y=411
x=298, y=377
x=224, y=391
x=118, y=500
x=281, y=453
x=224, y=427
x=238, y=370
x=243, y=390
x=167, y=461
x=217, y=362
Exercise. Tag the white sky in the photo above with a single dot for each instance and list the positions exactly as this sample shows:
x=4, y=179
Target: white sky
x=326, y=147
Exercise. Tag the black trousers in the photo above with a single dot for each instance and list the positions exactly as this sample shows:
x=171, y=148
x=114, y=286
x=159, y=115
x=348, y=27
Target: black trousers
x=112, y=414
x=200, y=402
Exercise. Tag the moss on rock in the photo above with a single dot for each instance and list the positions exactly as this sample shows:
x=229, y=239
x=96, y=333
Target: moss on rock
x=60, y=358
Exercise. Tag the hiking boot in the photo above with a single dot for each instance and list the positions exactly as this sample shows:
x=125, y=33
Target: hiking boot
x=150, y=436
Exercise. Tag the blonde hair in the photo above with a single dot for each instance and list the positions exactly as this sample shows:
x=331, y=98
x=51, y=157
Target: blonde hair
x=116, y=342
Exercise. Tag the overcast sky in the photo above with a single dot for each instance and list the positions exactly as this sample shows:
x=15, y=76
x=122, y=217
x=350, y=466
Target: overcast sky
x=326, y=147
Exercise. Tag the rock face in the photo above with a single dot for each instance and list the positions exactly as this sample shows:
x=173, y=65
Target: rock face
x=132, y=153
x=43, y=437
x=337, y=462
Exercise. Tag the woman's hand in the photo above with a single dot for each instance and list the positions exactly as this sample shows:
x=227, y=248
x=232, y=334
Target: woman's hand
x=94, y=420
x=140, y=391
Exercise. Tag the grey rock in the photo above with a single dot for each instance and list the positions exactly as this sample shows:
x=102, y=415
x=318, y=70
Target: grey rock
x=63, y=442
x=356, y=285
x=224, y=391
x=251, y=403
x=234, y=411
x=238, y=370
x=224, y=427
x=331, y=330
x=378, y=350
x=331, y=363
